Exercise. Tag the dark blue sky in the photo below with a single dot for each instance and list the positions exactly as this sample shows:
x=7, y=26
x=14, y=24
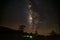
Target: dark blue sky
x=15, y=13
x=48, y=11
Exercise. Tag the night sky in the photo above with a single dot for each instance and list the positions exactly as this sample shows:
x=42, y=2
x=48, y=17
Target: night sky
x=15, y=12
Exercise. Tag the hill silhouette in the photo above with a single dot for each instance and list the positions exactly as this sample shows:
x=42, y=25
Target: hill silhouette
x=10, y=34
x=6, y=29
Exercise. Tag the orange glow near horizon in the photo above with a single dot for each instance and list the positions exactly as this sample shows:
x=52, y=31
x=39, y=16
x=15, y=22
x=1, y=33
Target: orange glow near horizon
x=43, y=31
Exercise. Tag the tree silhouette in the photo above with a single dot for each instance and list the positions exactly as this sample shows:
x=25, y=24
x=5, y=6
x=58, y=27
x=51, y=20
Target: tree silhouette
x=21, y=28
x=53, y=33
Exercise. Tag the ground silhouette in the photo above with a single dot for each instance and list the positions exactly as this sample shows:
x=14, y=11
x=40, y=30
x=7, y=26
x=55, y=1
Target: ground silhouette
x=10, y=34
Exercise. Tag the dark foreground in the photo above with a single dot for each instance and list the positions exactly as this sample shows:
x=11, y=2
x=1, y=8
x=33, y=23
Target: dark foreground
x=9, y=34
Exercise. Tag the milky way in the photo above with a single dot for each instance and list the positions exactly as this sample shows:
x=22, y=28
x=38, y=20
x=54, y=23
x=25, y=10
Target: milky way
x=16, y=12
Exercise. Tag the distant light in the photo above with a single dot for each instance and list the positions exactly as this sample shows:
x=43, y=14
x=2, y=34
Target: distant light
x=27, y=35
x=30, y=36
